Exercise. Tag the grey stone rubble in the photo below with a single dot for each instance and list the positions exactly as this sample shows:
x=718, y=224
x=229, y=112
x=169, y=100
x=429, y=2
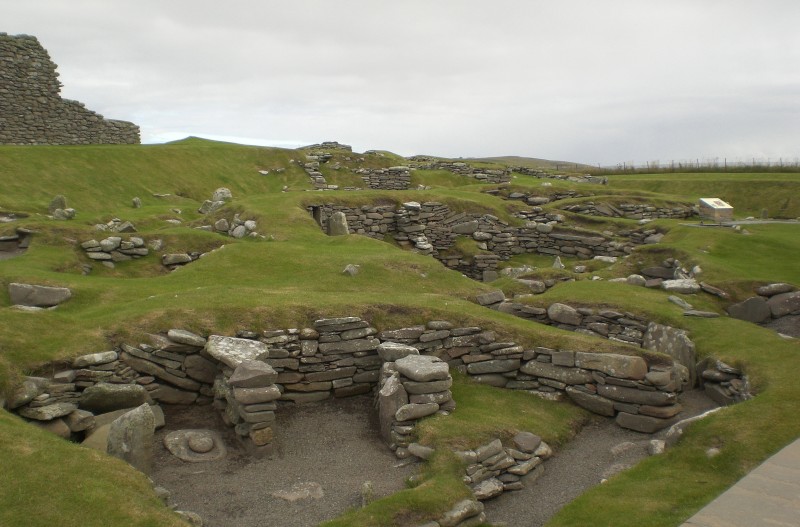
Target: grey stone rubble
x=116, y=225
x=115, y=249
x=175, y=260
x=235, y=228
x=33, y=110
x=217, y=201
x=431, y=228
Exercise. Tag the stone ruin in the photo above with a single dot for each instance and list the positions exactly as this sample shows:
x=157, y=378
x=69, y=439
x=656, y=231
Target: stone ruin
x=32, y=111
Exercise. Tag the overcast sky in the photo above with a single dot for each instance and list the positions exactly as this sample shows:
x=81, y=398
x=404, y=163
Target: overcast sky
x=589, y=81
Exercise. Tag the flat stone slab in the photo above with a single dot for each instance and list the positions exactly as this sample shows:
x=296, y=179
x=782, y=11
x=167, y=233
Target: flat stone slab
x=301, y=491
x=232, y=351
x=195, y=445
x=423, y=368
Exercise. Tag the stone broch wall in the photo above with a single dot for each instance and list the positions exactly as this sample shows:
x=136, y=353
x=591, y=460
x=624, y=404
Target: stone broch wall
x=32, y=110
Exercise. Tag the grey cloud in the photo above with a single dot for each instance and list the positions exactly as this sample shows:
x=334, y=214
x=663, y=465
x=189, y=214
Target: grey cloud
x=581, y=80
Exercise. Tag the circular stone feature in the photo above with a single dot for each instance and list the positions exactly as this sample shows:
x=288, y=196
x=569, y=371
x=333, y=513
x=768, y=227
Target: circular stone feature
x=195, y=446
x=200, y=444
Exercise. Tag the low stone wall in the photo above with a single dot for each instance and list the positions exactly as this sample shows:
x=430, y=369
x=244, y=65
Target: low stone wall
x=340, y=357
x=115, y=249
x=607, y=323
x=723, y=383
x=585, y=178
x=634, y=211
x=393, y=178
x=431, y=228
x=482, y=175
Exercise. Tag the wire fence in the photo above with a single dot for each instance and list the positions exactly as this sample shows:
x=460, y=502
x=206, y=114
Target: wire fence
x=716, y=164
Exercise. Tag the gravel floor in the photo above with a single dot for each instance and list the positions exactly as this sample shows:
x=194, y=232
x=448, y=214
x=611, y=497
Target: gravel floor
x=329, y=448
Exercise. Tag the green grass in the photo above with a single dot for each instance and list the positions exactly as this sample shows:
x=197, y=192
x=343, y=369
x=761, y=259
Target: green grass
x=749, y=194
x=296, y=276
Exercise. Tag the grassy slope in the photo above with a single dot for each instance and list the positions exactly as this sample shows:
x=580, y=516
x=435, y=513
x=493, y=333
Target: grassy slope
x=264, y=284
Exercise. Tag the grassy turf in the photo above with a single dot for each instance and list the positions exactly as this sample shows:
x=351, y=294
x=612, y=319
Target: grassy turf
x=295, y=277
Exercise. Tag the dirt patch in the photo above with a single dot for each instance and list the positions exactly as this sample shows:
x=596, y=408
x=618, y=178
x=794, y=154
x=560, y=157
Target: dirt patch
x=324, y=453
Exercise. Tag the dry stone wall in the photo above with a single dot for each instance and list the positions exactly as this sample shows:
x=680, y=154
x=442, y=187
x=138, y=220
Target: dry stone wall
x=634, y=211
x=431, y=228
x=481, y=175
x=32, y=111
x=248, y=378
x=585, y=178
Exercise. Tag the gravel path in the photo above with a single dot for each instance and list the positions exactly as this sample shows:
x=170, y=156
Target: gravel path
x=329, y=448
x=600, y=450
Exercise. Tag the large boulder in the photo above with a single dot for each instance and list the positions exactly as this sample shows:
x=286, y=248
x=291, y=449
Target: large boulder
x=253, y=374
x=103, y=397
x=232, y=351
x=754, y=309
x=784, y=304
x=130, y=438
x=222, y=194
x=37, y=295
x=564, y=314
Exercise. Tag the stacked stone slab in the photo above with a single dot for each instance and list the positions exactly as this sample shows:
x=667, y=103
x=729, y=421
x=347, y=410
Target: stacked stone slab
x=115, y=249
x=494, y=468
x=32, y=110
x=392, y=178
x=723, y=383
x=634, y=211
x=174, y=368
x=245, y=391
x=412, y=387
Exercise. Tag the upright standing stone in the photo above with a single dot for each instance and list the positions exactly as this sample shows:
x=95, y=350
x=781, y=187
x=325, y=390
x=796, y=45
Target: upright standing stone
x=130, y=438
x=337, y=224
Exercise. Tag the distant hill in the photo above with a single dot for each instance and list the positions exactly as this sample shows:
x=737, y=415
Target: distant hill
x=532, y=162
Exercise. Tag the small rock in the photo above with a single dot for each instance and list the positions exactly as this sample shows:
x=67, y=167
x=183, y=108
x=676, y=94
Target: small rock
x=557, y=263
x=351, y=270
